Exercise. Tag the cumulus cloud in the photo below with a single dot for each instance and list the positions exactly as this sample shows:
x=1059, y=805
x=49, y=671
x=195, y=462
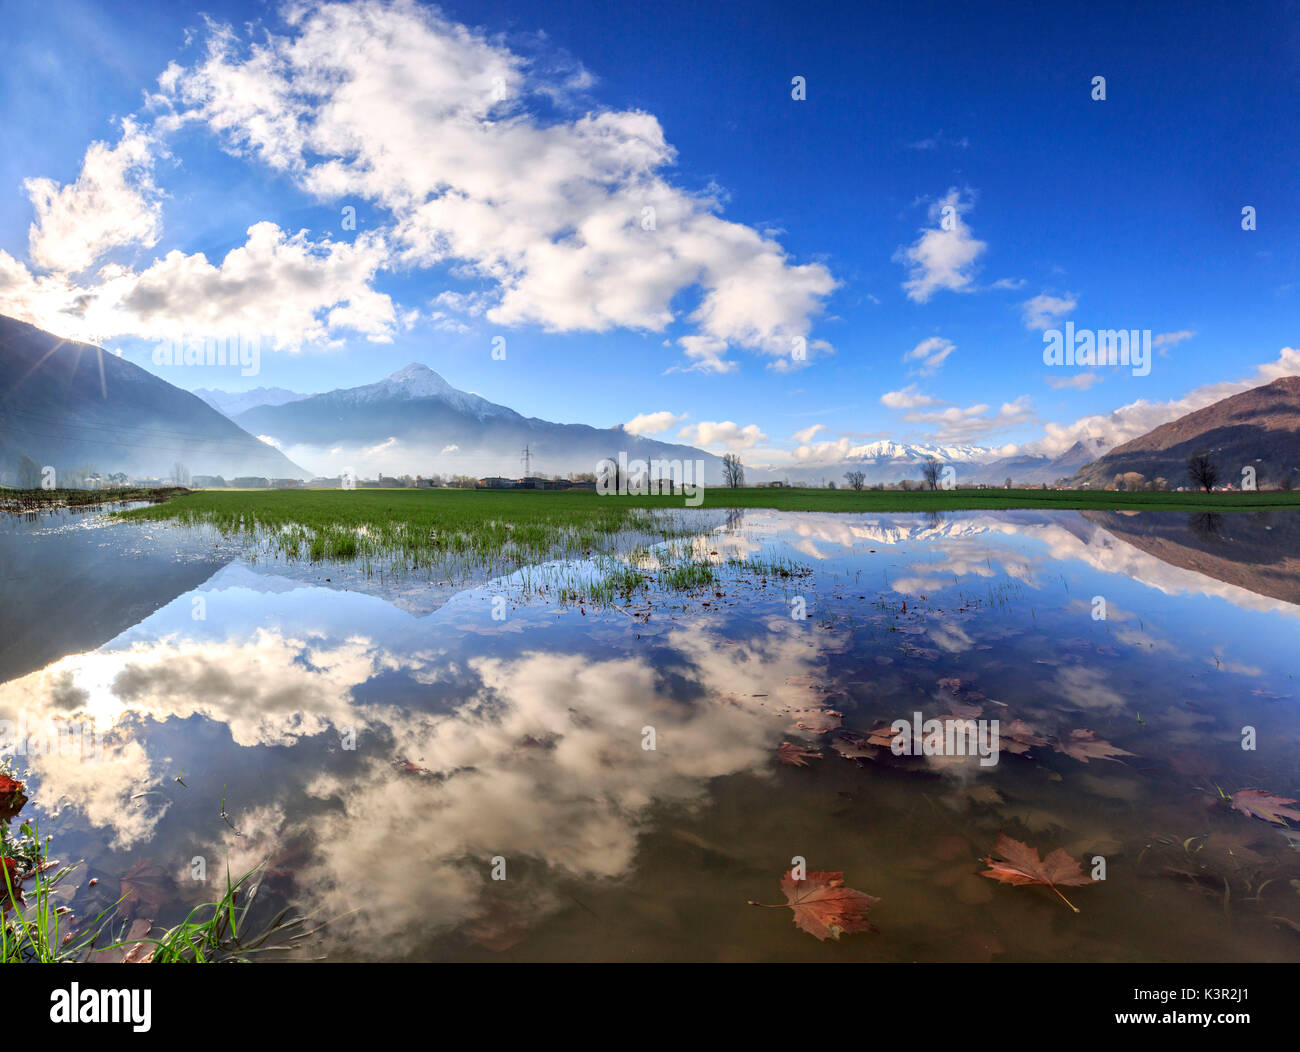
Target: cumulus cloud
x=653, y=423
x=1106, y=430
x=807, y=434
x=572, y=222
x=975, y=423
x=907, y=398
x=284, y=287
x=943, y=257
x=113, y=202
x=1046, y=312
x=725, y=434
x=931, y=354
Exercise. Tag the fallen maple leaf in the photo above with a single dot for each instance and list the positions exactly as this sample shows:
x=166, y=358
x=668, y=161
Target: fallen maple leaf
x=11, y=797
x=1019, y=737
x=1264, y=805
x=1085, y=745
x=1020, y=864
x=796, y=755
x=823, y=906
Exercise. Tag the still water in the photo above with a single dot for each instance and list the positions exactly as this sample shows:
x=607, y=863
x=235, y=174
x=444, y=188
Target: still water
x=385, y=746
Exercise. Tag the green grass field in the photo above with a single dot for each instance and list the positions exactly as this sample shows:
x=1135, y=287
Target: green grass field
x=503, y=529
x=575, y=506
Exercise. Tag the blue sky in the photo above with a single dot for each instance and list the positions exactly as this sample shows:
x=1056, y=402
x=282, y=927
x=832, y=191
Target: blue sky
x=1130, y=209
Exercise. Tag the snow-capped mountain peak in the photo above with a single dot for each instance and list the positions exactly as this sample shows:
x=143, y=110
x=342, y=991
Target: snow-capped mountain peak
x=416, y=381
x=889, y=450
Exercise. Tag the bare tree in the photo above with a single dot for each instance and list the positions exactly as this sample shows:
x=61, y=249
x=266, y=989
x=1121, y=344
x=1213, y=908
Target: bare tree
x=931, y=470
x=856, y=479
x=733, y=471
x=180, y=474
x=1202, y=470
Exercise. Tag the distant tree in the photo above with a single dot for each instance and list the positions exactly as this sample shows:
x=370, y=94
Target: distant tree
x=180, y=474
x=1008, y=482
x=931, y=470
x=1202, y=471
x=856, y=479
x=733, y=471
x=29, y=473
x=831, y=484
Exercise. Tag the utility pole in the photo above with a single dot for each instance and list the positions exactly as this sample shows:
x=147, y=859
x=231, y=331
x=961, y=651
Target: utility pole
x=528, y=462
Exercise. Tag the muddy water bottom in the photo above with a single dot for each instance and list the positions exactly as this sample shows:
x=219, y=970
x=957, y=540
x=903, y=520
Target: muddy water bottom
x=386, y=758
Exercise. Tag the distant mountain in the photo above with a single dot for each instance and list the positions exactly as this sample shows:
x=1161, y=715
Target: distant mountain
x=888, y=461
x=415, y=422
x=71, y=406
x=1039, y=468
x=886, y=450
x=1258, y=428
x=232, y=403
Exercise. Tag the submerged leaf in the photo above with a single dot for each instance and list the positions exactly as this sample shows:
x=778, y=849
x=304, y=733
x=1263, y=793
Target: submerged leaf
x=796, y=755
x=1085, y=746
x=1264, y=805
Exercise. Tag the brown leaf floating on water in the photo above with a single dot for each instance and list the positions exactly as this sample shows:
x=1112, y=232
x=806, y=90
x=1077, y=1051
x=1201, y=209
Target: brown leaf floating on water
x=796, y=755
x=823, y=906
x=1018, y=863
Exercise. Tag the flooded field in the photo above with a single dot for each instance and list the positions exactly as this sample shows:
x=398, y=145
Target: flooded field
x=640, y=767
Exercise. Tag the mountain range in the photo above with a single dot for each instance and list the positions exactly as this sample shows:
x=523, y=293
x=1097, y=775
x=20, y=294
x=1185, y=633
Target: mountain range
x=415, y=422
x=232, y=403
x=75, y=407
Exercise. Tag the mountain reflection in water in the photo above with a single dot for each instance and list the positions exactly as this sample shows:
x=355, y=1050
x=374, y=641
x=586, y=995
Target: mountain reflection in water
x=522, y=739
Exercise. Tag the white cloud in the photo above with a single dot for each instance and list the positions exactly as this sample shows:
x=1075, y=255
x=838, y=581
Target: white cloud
x=553, y=214
x=942, y=258
x=450, y=449
x=1047, y=312
x=806, y=435
x=285, y=288
x=960, y=425
x=653, y=423
x=908, y=398
x=113, y=202
x=930, y=353
x=725, y=434
x=1165, y=340
x=1107, y=430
